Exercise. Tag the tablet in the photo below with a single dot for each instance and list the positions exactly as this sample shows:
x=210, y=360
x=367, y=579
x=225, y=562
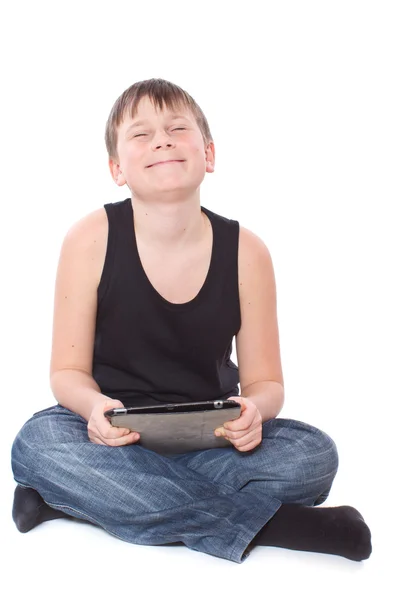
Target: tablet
x=177, y=428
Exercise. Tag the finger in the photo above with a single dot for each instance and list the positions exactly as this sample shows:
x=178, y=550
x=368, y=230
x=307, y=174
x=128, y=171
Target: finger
x=96, y=440
x=219, y=431
x=248, y=447
x=242, y=401
x=242, y=440
x=245, y=423
x=242, y=422
x=236, y=435
x=112, y=432
x=240, y=428
x=131, y=438
x=108, y=433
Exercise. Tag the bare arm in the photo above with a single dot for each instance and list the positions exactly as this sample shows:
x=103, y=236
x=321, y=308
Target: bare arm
x=257, y=342
x=75, y=306
x=77, y=391
x=268, y=396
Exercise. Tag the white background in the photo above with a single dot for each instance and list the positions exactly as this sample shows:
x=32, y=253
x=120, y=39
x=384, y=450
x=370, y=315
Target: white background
x=303, y=102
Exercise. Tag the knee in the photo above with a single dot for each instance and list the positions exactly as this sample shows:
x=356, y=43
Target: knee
x=319, y=459
x=314, y=452
x=325, y=457
x=31, y=434
x=20, y=457
x=23, y=454
x=37, y=433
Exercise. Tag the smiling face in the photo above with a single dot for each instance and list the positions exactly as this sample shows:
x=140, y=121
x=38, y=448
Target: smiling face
x=154, y=136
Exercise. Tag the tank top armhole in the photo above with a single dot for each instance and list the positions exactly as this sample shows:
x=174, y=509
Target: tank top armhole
x=236, y=275
x=106, y=274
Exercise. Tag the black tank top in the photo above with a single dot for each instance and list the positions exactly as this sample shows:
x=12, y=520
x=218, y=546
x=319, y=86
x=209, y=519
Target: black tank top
x=148, y=350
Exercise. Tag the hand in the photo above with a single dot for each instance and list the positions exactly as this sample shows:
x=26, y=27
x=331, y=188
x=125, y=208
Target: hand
x=245, y=432
x=101, y=431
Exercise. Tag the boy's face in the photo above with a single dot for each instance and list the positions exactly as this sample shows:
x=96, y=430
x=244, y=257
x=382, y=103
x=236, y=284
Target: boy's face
x=161, y=136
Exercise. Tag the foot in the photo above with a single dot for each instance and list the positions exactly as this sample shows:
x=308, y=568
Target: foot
x=338, y=530
x=29, y=509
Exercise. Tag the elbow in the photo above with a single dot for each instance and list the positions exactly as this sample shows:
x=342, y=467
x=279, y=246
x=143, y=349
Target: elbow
x=280, y=401
x=279, y=407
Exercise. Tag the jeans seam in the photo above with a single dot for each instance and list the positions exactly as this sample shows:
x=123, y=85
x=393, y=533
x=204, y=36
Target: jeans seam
x=89, y=519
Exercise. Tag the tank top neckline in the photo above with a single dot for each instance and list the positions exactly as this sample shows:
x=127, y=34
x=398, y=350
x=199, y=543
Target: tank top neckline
x=152, y=290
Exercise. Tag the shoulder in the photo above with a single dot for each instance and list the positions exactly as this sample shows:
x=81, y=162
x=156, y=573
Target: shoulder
x=88, y=237
x=257, y=342
x=252, y=249
x=255, y=267
x=95, y=222
x=251, y=246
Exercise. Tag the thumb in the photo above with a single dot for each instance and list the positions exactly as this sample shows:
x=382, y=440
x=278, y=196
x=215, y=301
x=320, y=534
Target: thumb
x=111, y=403
x=240, y=400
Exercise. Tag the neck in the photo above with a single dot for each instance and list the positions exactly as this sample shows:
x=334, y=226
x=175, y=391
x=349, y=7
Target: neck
x=171, y=227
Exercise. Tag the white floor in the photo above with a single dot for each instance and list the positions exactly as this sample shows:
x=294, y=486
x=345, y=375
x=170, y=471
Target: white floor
x=306, y=124
x=80, y=560
x=68, y=558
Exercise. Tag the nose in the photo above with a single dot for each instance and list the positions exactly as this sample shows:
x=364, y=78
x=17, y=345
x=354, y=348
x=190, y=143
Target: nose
x=161, y=140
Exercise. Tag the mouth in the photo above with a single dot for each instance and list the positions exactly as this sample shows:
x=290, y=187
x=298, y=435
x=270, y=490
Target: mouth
x=164, y=162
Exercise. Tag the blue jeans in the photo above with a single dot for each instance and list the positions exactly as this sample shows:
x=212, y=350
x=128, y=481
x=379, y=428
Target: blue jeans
x=213, y=501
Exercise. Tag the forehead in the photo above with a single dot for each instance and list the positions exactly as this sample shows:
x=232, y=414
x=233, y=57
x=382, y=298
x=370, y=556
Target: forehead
x=147, y=111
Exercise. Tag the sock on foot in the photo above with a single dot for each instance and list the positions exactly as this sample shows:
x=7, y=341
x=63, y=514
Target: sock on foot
x=339, y=530
x=29, y=509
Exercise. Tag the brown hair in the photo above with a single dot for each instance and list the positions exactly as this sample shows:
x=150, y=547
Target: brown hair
x=162, y=93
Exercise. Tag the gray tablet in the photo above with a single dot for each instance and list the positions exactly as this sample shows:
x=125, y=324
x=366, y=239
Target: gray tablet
x=177, y=428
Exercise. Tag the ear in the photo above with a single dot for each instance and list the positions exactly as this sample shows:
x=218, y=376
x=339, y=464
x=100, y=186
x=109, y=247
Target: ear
x=210, y=157
x=116, y=172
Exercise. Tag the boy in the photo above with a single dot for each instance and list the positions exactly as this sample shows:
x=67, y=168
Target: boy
x=149, y=294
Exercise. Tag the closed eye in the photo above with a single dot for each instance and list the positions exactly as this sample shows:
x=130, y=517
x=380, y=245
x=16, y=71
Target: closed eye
x=140, y=134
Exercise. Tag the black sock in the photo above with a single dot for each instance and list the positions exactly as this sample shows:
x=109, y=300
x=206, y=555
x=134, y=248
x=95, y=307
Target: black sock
x=338, y=530
x=29, y=509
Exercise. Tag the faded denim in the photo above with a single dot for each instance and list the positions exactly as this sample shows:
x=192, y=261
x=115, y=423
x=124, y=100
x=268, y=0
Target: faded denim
x=213, y=501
